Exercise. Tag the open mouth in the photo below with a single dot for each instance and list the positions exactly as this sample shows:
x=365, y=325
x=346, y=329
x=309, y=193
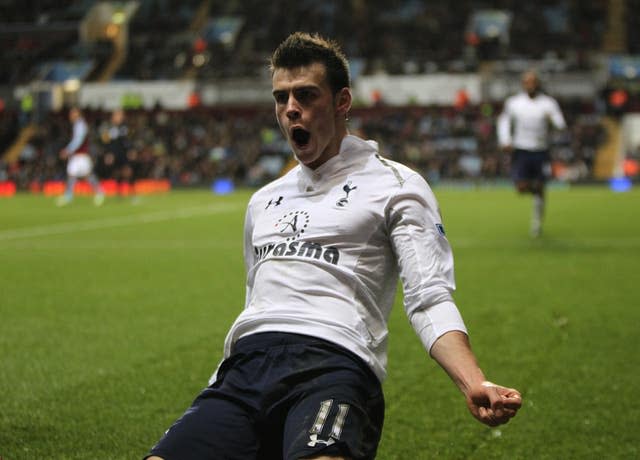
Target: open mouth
x=300, y=137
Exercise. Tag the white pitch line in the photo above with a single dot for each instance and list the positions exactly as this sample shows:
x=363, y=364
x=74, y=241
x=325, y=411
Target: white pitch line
x=99, y=224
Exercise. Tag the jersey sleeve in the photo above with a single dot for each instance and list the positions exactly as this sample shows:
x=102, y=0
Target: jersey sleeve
x=503, y=125
x=556, y=117
x=80, y=130
x=425, y=261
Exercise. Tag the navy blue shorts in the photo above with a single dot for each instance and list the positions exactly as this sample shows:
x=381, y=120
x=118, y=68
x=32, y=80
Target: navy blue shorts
x=282, y=396
x=527, y=165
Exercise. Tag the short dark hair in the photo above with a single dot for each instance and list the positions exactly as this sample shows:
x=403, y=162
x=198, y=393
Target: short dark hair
x=303, y=49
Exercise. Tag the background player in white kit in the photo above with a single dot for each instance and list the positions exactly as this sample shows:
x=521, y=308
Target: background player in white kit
x=523, y=132
x=324, y=247
x=79, y=163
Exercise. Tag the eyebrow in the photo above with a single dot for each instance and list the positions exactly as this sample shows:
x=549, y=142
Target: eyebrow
x=295, y=88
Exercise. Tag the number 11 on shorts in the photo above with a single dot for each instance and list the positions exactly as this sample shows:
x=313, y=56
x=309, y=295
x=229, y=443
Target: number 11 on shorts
x=321, y=419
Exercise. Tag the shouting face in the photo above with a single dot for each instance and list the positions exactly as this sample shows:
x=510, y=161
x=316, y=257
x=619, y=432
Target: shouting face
x=310, y=116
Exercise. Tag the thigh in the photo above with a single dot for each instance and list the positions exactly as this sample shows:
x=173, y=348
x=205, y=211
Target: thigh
x=341, y=415
x=518, y=165
x=536, y=166
x=212, y=428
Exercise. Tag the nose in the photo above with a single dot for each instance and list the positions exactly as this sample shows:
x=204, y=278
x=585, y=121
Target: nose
x=292, y=109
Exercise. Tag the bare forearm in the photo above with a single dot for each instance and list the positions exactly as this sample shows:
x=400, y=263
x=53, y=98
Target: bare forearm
x=489, y=403
x=453, y=353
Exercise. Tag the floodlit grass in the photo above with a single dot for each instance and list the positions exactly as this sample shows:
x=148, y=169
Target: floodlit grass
x=113, y=318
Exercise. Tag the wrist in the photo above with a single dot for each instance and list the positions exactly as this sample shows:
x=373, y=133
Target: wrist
x=470, y=383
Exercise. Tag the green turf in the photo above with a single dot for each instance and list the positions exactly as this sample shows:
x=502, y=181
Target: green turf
x=112, y=319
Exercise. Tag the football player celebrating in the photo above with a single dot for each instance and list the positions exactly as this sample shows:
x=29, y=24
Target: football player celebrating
x=324, y=246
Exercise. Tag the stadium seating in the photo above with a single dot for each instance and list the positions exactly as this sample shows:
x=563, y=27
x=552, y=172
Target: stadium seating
x=405, y=36
x=196, y=147
x=203, y=40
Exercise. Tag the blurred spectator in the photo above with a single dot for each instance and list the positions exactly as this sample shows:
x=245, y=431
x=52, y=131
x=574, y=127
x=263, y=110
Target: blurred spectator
x=405, y=36
x=26, y=108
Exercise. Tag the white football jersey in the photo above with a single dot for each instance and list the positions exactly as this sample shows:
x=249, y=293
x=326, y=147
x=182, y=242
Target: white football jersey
x=324, y=249
x=524, y=121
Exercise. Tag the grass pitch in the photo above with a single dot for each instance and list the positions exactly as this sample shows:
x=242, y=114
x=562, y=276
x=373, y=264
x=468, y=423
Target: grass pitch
x=113, y=318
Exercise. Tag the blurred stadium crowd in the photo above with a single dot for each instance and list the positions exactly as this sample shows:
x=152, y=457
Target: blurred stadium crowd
x=194, y=148
x=170, y=40
x=397, y=36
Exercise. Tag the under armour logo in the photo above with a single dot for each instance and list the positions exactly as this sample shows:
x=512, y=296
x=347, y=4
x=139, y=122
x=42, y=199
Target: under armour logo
x=314, y=441
x=274, y=202
x=347, y=189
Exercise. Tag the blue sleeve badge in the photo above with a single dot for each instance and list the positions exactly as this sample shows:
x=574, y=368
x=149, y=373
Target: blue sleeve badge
x=440, y=228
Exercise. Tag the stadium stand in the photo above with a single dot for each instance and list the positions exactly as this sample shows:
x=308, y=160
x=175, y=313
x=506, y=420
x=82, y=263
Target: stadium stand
x=195, y=147
x=205, y=41
x=395, y=37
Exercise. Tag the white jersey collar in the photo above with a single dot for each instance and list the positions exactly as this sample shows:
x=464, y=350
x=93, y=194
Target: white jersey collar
x=352, y=149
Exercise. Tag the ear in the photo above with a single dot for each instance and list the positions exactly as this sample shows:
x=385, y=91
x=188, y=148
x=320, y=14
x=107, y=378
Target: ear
x=343, y=101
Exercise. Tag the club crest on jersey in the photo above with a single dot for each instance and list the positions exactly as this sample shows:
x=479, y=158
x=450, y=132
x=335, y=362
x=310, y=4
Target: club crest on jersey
x=342, y=202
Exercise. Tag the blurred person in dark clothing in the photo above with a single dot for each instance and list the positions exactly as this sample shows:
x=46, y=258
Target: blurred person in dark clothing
x=120, y=158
